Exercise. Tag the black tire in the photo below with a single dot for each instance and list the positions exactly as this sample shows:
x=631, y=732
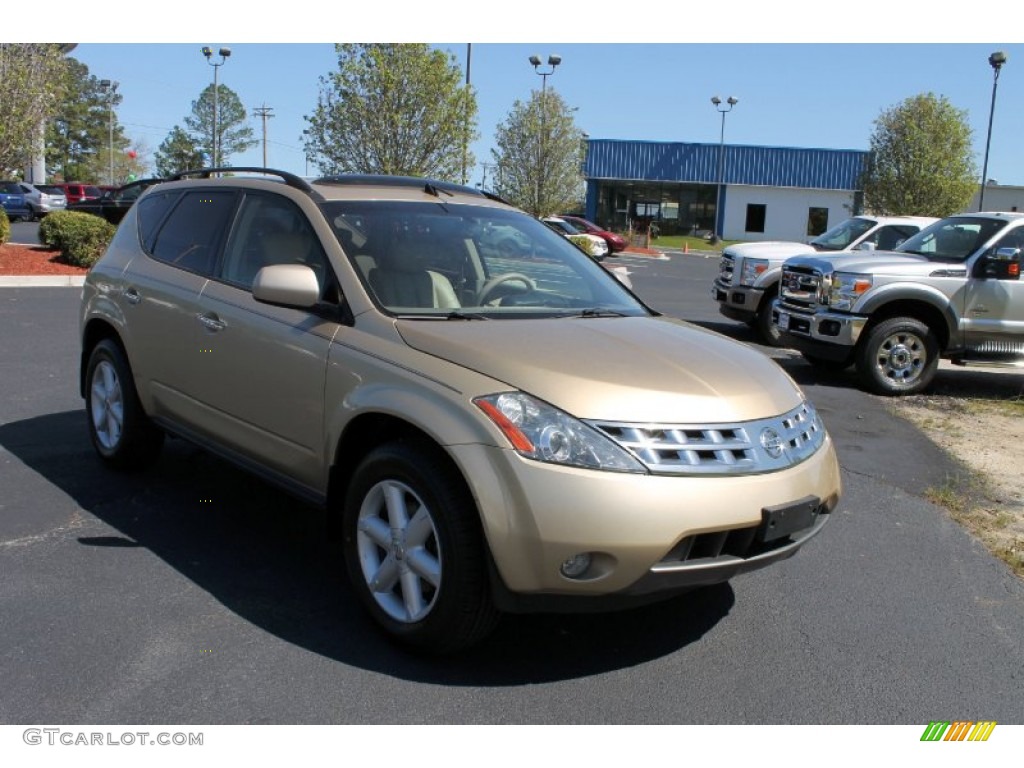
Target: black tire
x=120, y=431
x=826, y=364
x=433, y=592
x=899, y=356
x=766, y=329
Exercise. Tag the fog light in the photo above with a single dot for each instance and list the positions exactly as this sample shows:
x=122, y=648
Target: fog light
x=576, y=565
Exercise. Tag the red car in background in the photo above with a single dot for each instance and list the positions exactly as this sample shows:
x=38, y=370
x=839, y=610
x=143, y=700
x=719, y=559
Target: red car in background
x=615, y=242
x=76, y=191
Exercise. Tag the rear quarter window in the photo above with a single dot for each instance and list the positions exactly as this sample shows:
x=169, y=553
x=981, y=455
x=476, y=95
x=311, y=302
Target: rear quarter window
x=190, y=236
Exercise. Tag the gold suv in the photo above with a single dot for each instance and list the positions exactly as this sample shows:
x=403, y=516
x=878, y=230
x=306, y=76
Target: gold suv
x=497, y=429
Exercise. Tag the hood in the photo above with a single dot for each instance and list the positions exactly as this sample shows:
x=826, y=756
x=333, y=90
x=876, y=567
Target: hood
x=870, y=262
x=768, y=250
x=633, y=369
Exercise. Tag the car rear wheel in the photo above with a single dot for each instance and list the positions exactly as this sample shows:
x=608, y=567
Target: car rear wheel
x=121, y=433
x=414, y=550
x=766, y=329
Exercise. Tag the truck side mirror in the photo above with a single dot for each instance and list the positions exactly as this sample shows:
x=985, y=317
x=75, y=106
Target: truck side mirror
x=1000, y=264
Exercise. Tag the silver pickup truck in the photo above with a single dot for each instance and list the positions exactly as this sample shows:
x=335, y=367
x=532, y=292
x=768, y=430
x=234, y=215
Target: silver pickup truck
x=748, y=274
x=952, y=291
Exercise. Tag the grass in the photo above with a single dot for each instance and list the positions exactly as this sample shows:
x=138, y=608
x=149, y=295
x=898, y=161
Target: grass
x=680, y=242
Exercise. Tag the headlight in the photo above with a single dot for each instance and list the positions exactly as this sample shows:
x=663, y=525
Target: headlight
x=542, y=432
x=752, y=269
x=846, y=288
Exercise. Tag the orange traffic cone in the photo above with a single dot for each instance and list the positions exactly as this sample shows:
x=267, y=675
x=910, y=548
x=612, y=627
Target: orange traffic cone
x=686, y=247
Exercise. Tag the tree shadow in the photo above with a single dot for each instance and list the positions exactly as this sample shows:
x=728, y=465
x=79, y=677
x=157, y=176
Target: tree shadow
x=264, y=556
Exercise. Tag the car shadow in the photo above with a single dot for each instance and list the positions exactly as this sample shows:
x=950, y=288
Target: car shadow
x=264, y=556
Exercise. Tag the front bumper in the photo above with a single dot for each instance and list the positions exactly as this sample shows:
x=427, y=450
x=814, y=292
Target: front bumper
x=649, y=535
x=737, y=302
x=820, y=329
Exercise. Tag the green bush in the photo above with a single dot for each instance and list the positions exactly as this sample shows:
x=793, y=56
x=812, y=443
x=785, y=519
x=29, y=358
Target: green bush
x=5, y=227
x=584, y=243
x=80, y=237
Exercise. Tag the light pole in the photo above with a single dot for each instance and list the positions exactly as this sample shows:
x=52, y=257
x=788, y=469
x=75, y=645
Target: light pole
x=207, y=51
x=553, y=61
x=732, y=102
x=110, y=88
x=996, y=60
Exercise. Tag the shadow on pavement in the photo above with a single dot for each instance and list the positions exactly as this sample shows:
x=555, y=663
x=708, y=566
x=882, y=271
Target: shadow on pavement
x=264, y=556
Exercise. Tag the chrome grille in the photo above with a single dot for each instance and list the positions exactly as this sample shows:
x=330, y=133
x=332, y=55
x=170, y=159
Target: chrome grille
x=726, y=269
x=746, y=448
x=801, y=287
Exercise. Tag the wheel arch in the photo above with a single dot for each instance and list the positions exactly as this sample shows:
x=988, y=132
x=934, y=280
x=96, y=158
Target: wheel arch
x=936, y=318
x=95, y=331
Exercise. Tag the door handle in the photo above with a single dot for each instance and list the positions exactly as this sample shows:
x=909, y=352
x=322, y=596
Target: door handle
x=211, y=322
x=132, y=296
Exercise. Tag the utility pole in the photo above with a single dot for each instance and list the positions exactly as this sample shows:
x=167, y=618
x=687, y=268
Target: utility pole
x=264, y=112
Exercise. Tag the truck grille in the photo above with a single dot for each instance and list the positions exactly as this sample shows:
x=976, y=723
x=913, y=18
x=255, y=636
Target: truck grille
x=802, y=287
x=745, y=448
x=726, y=269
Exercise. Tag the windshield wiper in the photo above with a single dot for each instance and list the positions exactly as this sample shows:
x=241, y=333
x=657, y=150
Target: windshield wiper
x=600, y=312
x=456, y=315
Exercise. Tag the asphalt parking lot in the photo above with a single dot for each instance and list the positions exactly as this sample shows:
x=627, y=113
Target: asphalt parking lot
x=193, y=594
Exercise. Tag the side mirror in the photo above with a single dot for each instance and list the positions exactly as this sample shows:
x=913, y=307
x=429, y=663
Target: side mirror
x=1001, y=264
x=290, y=285
x=867, y=245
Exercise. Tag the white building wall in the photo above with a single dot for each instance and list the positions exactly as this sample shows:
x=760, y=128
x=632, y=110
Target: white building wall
x=999, y=198
x=786, y=211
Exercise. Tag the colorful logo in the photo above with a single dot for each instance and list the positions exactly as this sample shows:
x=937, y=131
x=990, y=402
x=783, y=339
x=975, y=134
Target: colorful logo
x=959, y=730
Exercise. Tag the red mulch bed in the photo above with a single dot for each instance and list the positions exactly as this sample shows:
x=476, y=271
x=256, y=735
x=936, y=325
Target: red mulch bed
x=23, y=260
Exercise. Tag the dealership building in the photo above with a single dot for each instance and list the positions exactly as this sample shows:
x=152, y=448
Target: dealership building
x=767, y=193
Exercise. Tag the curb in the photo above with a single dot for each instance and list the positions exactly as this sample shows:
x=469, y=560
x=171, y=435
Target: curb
x=41, y=281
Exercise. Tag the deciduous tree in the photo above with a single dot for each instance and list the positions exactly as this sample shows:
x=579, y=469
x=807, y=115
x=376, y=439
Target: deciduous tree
x=31, y=87
x=539, y=153
x=397, y=109
x=921, y=161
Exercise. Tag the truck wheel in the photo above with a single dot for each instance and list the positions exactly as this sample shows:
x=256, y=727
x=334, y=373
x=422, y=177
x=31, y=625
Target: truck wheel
x=414, y=550
x=899, y=356
x=766, y=329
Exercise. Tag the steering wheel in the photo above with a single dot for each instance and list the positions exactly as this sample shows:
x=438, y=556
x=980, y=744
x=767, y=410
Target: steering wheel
x=484, y=294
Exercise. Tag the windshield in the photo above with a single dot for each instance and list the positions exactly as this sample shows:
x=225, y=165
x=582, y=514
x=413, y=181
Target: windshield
x=432, y=260
x=842, y=235
x=952, y=239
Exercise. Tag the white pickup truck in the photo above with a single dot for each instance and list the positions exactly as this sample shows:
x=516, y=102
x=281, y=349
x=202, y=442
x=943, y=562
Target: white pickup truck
x=749, y=273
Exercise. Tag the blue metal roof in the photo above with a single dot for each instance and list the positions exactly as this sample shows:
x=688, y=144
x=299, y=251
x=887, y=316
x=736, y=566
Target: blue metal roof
x=698, y=164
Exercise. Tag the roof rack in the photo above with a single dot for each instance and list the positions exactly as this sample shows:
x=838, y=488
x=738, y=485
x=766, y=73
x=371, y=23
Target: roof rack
x=288, y=178
x=429, y=185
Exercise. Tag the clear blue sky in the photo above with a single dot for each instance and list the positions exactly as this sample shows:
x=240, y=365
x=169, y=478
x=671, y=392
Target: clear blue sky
x=800, y=92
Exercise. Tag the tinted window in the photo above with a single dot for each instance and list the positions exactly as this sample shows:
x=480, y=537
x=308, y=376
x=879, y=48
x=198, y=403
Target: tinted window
x=152, y=211
x=755, y=217
x=271, y=229
x=10, y=189
x=191, y=235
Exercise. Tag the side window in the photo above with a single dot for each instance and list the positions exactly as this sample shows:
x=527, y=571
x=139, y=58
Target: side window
x=887, y=238
x=756, y=214
x=152, y=211
x=191, y=234
x=271, y=229
x=1014, y=239
x=817, y=221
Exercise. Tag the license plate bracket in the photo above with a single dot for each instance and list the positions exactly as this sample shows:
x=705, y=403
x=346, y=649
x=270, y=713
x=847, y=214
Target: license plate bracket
x=784, y=519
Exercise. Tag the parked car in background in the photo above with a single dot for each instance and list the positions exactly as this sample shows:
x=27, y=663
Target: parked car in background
x=43, y=198
x=598, y=247
x=13, y=201
x=75, y=191
x=491, y=432
x=953, y=291
x=749, y=273
x=616, y=242
x=114, y=204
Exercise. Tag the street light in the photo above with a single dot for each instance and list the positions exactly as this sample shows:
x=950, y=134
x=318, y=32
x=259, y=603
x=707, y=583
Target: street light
x=553, y=61
x=996, y=60
x=207, y=51
x=110, y=88
x=732, y=102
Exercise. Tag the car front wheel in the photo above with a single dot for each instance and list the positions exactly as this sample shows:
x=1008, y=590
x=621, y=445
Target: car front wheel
x=899, y=357
x=121, y=433
x=414, y=550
